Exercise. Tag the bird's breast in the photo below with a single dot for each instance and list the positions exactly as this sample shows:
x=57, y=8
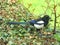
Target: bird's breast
x=39, y=24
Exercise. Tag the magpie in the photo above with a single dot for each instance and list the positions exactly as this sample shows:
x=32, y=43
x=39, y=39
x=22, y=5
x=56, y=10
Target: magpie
x=38, y=23
x=41, y=22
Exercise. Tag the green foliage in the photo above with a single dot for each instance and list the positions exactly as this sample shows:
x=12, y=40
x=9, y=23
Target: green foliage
x=57, y=36
x=16, y=11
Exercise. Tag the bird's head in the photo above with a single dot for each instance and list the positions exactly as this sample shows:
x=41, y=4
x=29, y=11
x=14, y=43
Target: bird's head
x=46, y=18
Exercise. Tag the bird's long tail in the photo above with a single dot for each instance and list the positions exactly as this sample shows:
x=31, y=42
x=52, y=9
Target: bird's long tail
x=17, y=23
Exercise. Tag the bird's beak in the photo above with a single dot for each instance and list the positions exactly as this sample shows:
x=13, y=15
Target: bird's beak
x=51, y=20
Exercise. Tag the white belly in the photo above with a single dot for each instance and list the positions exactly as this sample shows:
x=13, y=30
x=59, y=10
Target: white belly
x=39, y=26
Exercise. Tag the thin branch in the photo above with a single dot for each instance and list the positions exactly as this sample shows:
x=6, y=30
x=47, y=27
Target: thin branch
x=54, y=31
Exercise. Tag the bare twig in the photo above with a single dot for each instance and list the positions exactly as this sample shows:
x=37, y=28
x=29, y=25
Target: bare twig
x=54, y=9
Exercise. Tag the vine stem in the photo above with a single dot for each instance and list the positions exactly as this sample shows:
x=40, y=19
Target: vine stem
x=54, y=31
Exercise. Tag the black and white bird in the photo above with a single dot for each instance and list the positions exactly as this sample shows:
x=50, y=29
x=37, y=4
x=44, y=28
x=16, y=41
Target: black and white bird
x=41, y=22
x=38, y=23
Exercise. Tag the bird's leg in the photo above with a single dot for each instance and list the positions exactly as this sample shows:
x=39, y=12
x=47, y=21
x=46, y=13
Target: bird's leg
x=38, y=30
x=41, y=30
